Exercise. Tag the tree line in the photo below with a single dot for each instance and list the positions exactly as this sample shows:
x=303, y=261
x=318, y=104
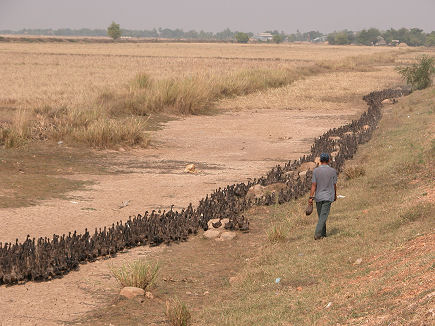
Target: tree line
x=371, y=36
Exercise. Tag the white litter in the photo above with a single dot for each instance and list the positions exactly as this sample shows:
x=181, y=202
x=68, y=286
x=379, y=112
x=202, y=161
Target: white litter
x=341, y=196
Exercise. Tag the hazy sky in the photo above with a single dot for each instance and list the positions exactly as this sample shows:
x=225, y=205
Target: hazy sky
x=215, y=15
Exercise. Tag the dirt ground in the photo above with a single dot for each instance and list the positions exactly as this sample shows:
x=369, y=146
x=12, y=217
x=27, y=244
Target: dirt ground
x=226, y=148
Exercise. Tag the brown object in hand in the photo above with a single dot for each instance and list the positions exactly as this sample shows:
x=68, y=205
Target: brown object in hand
x=309, y=209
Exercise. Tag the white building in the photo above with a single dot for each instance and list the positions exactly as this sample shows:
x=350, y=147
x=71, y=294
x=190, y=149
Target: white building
x=263, y=37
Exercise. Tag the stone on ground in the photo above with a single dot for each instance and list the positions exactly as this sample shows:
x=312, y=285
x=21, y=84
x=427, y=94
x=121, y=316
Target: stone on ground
x=255, y=192
x=227, y=235
x=212, y=234
x=190, y=168
x=131, y=292
x=307, y=166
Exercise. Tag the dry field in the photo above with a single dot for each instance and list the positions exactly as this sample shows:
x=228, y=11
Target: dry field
x=103, y=94
x=38, y=74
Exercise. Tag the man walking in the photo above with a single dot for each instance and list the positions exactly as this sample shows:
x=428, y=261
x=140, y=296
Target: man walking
x=324, y=191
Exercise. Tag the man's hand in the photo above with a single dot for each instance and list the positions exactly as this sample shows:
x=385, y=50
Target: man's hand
x=310, y=200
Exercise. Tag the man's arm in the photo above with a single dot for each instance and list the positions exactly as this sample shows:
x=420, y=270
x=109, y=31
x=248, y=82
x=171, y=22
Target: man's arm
x=312, y=192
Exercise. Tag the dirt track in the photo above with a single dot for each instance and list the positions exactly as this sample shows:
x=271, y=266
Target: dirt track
x=226, y=148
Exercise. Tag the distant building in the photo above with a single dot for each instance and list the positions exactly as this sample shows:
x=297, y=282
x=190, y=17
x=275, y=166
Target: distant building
x=380, y=41
x=320, y=39
x=263, y=37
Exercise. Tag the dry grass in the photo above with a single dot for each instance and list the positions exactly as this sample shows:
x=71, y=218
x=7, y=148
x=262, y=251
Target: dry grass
x=177, y=313
x=353, y=172
x=99, y=94
x=137, y=273
x=277, y=233
x=384, y=220
x=70, y=74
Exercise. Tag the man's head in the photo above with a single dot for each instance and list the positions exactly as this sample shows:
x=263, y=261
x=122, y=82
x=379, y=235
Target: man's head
x=324, y=158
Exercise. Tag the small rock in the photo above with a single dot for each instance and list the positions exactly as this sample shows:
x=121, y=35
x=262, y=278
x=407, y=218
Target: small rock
x=307, y=166
x=212, y=234
x=358, y=261
x=131, y=292
x=60, y=142
x=254, y=192
x=387, y=101
x=365, y=127
x=334, y=138
x=328, y=305
x=206, y=292
x=149, y=295
x=188, y=292
x=317, y=160
x=227, y=235
x=190, y=168
x=349, y=133
x=299, y=288
x=303, y=174
x=121, y=149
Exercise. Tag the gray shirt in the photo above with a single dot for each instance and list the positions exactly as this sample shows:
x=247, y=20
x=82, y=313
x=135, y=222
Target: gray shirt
x=325, y=178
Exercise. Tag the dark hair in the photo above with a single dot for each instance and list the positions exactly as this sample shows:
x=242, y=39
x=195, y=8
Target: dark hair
x=324, y=158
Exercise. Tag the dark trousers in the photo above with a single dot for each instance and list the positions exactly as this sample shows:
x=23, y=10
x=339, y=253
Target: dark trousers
x=323, y=208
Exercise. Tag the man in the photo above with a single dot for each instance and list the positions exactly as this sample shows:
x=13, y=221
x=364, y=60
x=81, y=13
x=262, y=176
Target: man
x=324, y=190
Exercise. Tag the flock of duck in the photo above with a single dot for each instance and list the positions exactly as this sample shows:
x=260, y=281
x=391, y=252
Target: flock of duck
x=46, y=258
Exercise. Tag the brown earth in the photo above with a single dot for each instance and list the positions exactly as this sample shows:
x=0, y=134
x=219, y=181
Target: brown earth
x=226, y=148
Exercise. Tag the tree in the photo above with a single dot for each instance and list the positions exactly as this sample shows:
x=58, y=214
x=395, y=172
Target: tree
x=368, y=37
x=278, y=38
x=241, y=37
x=341, y=38
x=430, y=39
x=419, y=74
x=114, y=31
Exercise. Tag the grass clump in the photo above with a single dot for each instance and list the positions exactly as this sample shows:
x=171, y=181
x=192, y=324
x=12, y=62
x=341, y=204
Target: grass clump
x=178, y=313
x=137, y=273
x=354, y=172
x=277, y=233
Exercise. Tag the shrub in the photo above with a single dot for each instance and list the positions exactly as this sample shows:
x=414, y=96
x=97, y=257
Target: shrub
x=419, y=74
x=137, y=273
x=241, y=37
x=354, y=172
x=178, y=313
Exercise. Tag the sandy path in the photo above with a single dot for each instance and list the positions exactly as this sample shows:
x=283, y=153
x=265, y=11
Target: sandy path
x=227, y=148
